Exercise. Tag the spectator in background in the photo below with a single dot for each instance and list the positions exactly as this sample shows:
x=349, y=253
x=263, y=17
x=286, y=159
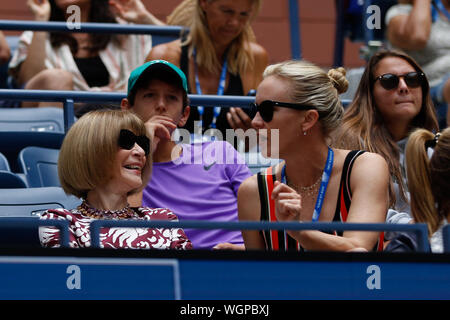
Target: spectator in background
x=393, y=98
x=5, y=53
x=422, y=30
x=197, y=181
x=80, y=61
x=219, y=56
x=315, y=182
x=103, y=159
x=428, y=172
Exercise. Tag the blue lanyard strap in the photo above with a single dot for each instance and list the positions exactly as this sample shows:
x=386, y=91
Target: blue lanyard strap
x=441, y=8
x=323, y=185
x=220, y=89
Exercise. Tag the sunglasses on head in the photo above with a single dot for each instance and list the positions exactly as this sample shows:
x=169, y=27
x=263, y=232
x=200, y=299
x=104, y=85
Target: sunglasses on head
x=266, y=108
x=127, y=139
x=390, y=81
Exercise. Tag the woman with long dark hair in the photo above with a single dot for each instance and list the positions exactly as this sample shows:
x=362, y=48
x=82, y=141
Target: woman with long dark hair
x=81, y=61
x=393, y=98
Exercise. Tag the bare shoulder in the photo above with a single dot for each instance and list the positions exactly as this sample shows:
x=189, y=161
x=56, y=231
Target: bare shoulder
x=370, y=159
x=248, y=199
x=253, y=76
x=258, y=51
x=249, y=186
x=370, y=167
x=170, y=51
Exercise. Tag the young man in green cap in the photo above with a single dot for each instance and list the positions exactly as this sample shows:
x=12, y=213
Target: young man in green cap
x=196, y=181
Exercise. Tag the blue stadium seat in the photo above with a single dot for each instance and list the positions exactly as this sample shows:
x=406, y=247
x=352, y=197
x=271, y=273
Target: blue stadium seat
x=12, y=142
x=29, y=202
x=351, y=22
x=4, y=164
x=40, y=166
x=32, y=119
x=10, y=180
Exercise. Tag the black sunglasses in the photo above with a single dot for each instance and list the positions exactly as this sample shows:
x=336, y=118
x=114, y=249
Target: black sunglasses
x=390, y=81
x=127, y=139
x=265, y=108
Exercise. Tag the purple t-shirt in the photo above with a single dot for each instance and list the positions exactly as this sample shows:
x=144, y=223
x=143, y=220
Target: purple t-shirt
x=202, y=184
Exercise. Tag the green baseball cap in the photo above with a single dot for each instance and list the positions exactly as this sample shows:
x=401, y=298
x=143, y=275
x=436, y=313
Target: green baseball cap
x=156, y=66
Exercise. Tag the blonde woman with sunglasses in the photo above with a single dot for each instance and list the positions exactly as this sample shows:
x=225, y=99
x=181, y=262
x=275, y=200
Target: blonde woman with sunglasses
x=315, y=182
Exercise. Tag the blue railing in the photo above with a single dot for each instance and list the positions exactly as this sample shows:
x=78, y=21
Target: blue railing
x=419, y=228
x=160, y=34
x=91, y=27
x=70, y=97
x=294, y=27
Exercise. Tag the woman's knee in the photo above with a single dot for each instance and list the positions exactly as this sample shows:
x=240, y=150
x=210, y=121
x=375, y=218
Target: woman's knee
x=51, y=79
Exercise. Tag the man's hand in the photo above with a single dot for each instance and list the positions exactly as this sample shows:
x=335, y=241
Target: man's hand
x=133, y=11
x=159, y=128
x=238, y=119
x=228, y=246
x=40, y=9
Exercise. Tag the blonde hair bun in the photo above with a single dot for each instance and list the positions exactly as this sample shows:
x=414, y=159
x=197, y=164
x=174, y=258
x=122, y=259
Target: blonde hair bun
x=337, y=77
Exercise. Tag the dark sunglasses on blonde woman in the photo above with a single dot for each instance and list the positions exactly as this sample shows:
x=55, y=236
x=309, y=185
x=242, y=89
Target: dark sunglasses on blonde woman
x=127, y=139
x=390, y=81
x=266, y=108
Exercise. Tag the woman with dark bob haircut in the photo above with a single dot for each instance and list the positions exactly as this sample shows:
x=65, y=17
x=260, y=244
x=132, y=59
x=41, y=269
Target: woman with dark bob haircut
x=104, y=158
x=393, y=99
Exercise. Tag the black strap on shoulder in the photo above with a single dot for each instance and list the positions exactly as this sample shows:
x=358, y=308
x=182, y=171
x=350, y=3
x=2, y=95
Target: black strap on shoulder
x=344, y=185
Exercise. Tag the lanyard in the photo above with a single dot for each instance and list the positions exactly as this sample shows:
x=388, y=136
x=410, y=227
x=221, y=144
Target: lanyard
x=441, y=8
x=323, y=185
x=220, y=89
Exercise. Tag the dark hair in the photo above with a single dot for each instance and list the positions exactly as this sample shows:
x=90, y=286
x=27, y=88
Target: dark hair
x=363, y=126
x=100, y=12
x=165, y=77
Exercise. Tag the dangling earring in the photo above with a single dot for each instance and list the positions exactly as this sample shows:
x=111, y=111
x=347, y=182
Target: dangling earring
x=304, y=133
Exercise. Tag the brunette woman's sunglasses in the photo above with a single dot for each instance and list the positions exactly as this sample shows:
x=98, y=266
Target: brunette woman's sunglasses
x=127, y=139
x=266, y=108
x=390, y=81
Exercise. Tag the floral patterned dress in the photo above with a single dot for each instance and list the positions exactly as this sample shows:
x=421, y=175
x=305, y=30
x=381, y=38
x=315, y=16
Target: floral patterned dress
x=124, y=238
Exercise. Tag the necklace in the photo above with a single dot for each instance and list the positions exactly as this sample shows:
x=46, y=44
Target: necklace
x=85, y=209
x=307, y=191
x=323, y=185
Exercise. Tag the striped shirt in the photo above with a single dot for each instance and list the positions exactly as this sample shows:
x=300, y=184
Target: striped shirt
x=279, y=239
x=118, y=60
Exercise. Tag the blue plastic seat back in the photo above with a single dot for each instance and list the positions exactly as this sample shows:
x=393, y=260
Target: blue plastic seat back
x=32, y=119
x=10, y=180
x=4, y=164
x=40, y=166
x=28, y=202
x=12, y=142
